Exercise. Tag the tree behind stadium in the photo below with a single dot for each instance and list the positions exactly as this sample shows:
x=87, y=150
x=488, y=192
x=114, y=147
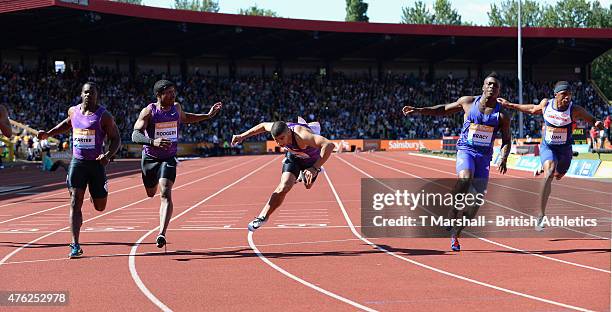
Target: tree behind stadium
x=356, y=11
x=255, y=10
x=443, y=14
x=565, y=13
x=197, y=5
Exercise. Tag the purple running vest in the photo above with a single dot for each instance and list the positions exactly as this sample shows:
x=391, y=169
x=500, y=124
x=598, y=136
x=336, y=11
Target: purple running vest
x=308, y=155
x=478, y=131
x=164, y=124
x=87, y=133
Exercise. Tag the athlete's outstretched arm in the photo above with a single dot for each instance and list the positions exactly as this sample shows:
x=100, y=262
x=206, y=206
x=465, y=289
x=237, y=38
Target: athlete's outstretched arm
x=5, y=124
x=580, y=113
x=62, y=127
x=506, y=141
x=533, y=109
x=260, y=128
x=192, y=118
x=112, y=133
x=438, y=110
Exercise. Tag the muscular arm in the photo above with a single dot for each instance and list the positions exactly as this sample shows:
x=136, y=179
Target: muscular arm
x=506, y=138
x=60, y=128
x=580, y=113
x=112, y=132
x=259, y=129
x=138, y=136
x=5, y=124
x=440, y=110
x=533, y=109
x=193, y=118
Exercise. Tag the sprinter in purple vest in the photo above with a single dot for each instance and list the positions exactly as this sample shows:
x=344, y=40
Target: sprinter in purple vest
x=306, y=153
x=483, y=117
x=162, y=121
x=556, y=147
x=90, y=124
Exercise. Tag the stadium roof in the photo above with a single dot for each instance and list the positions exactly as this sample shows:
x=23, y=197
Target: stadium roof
x=99, y=27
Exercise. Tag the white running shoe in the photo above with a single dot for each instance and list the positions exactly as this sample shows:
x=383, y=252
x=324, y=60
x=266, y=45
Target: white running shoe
x=540, y=224
x=300, y=177
x=256, y=223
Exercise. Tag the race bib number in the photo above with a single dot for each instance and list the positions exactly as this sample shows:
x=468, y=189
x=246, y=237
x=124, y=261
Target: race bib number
x=556, y=135
x=480, y=135
x=167, y=130
x=84, y=138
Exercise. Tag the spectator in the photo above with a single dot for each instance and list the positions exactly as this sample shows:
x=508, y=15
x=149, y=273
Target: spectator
x=346, y=107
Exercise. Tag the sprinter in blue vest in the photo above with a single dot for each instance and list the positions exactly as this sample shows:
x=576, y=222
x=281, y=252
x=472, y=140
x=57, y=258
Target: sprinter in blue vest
x=482, y=118
x=556, y=147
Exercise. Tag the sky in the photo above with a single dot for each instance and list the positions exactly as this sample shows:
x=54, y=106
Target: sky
x=379, y=11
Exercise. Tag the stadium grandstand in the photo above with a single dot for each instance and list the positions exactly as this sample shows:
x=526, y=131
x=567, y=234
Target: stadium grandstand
x=365, y=215
x=352, y=77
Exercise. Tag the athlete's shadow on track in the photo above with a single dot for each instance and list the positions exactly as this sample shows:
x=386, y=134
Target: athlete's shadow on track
x=576, y=239
x=63, y=245
x=548, y=252
x=248, y=253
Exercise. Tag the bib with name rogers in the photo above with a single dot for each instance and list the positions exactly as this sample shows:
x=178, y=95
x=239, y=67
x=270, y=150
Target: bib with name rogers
x=167, y=130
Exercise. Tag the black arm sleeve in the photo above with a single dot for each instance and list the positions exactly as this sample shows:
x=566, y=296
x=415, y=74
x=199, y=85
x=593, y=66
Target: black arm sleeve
x=139, y=138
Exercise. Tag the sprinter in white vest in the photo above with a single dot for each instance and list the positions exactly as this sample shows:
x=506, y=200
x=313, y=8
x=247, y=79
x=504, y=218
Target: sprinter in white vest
x=556, y=147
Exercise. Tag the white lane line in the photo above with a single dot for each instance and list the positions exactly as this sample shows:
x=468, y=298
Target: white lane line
x=488, y=200
x=114, y=210
x=500, y=205
x=132, y=259
x=301, y=281
x=500, y=185
x=467, y=279
x=113, y=192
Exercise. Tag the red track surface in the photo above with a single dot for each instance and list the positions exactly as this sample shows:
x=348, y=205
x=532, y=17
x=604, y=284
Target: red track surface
x=326, y=265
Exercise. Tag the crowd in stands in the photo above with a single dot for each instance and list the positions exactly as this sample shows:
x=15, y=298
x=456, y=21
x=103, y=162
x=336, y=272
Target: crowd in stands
x=345, y=107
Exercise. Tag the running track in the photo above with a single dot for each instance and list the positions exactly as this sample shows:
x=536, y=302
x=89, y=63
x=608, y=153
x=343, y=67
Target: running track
x=310, y=255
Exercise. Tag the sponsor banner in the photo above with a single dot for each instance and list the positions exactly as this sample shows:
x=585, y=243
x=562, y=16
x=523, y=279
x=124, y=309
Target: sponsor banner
x=186, y=149
x=341, y=146
x=66, y=155
x=205, y=145
x=531, y=149
x=580, y=148
x=348, y=145
x=579, y=134
x=604, y=170
x=182, y=149
x=134, y=150
x=510, y=162
x=578, y=167
x=272, y=147
x=518, y=142
x=528, y=163
x=449, y=143
x=254, y=147
x=410, y=145
x=371, y=145
x=583, y=167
